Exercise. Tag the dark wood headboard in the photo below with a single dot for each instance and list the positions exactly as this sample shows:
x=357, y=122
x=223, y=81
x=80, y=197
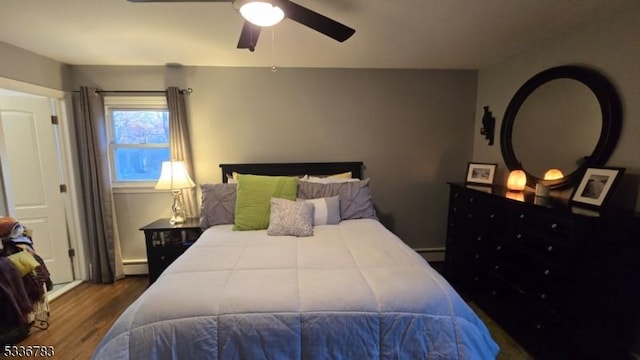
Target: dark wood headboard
x=293, y=169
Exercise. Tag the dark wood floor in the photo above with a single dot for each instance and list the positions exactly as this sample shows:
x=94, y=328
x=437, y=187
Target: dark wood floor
x=80, y=318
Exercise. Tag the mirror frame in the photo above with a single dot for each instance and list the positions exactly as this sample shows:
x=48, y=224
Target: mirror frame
x=611, y=110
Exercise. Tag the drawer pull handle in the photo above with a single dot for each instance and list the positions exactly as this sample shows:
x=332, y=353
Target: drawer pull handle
x=554, y=226
x=455, y=209
x=550, y=248
x=479, y=238
x=543, y=296
x=497, y=267
x=450, y=240
x=475, y=279
x=519, y=236
x=538, y=326
x=492, y=216
x=521, y=216
x=162, y=257
x=471, y=200
x=477, y=256
x=498, y=247
x=493, y=292
x=470, y=216
x=547, y=272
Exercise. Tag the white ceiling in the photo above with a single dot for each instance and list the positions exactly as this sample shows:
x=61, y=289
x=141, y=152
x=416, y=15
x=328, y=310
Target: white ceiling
x=438, y=34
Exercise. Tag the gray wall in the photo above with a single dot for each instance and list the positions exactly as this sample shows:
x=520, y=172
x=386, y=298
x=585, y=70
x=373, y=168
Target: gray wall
x=607, y=43
x=25, y=66
x=412, y=128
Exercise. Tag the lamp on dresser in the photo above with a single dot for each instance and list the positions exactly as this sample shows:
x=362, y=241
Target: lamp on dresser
x=542, y=190
x=174, y=177
x=517, y=180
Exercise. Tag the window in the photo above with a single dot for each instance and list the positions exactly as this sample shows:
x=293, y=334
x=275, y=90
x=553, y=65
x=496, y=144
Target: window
x=138, y=130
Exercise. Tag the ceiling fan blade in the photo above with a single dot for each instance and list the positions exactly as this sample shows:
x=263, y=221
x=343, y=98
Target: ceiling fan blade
x=318, y=22
x=249, y=36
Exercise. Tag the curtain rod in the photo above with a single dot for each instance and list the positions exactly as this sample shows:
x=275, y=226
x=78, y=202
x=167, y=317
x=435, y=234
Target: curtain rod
x=186, y=91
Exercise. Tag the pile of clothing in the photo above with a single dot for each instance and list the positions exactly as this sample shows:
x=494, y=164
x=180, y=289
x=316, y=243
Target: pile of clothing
x=24, y=280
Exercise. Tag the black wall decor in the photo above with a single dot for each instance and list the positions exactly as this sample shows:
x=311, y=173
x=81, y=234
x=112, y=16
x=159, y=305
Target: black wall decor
x=488, y=125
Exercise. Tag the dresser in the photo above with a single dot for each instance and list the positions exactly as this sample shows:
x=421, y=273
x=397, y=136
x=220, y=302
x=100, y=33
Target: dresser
x=564, y=282
x=166, y=241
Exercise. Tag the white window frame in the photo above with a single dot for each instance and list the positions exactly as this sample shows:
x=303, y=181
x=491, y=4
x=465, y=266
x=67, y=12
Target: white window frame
x=130, y=103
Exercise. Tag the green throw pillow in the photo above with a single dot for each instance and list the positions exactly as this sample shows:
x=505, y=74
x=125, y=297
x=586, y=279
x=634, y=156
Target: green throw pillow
x=253, y=197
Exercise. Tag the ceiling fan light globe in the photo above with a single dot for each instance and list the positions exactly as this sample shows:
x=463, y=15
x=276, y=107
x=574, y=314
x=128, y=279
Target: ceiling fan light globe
x=261, y=13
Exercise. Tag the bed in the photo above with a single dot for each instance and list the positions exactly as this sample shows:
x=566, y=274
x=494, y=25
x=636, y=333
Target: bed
x=351, y=290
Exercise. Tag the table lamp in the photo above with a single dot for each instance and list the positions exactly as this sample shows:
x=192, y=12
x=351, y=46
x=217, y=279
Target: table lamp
x=174, y=177
x=517, y=180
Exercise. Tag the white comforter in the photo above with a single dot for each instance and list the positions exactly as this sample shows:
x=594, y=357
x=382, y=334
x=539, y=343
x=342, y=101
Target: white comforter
x=351, y=291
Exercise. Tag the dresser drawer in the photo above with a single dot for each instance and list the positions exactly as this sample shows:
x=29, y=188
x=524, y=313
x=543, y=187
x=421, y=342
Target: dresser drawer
x=539, y=329
x=161, y=258
x=166, y=255
x=551, y=248
x=533, y=221
x=474, y=217
x=544, y=282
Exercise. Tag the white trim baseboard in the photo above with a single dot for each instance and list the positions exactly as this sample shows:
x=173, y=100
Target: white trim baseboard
x=135, y=267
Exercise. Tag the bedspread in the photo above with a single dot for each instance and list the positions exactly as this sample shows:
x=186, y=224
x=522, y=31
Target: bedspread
x=351, y=291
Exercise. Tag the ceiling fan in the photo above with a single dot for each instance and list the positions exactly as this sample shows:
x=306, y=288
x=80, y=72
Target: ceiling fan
x=254, y=12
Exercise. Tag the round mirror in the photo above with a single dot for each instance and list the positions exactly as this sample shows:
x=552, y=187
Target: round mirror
x=565, y=118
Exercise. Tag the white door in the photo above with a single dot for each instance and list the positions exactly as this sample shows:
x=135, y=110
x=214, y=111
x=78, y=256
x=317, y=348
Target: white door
x=32, y=177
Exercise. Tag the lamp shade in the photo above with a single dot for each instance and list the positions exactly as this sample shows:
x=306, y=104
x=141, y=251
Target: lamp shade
x=261, y=13
x=553, y=174
x=517, y=180
x=174, y=176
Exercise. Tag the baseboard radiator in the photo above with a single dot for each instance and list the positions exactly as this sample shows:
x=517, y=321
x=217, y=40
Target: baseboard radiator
x=135, y=267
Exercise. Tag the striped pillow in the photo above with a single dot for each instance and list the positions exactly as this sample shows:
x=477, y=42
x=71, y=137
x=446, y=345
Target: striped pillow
x=327, y=210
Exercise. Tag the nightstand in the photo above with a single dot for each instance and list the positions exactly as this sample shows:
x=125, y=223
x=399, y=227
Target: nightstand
x=166, y=241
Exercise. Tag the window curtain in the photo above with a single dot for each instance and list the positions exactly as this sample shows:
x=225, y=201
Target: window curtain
x=97, y=198
x=180, y=145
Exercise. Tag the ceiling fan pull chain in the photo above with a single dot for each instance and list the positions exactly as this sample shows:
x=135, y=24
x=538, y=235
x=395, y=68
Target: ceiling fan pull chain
x=274, y=68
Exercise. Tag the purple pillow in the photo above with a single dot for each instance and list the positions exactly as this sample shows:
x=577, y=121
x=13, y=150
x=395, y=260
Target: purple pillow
x=218, y=204
x=355, y=197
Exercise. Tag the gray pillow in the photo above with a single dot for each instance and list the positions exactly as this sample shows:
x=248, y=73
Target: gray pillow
x=326, y=210
x=355, y=197
x=218, y=204
x=290, y=217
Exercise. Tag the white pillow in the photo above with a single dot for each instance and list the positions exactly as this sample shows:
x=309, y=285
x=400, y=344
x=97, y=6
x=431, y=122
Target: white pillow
x=326, y=180
x=327, y=210
x=290, y=217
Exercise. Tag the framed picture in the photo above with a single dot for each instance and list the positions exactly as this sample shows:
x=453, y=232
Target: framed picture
x=481, y=173
x=596, y=186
